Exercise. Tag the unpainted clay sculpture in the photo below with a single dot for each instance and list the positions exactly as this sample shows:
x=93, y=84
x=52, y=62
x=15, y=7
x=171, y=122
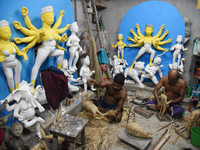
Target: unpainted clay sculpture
x=73, y=43
x=164, y=104
x=24, y=108
x=40, y=95
x=89, y=106
x=192, y=118
x=177, y=66
x=15, y=142
x=120, y=45
x=148, y=41
x=177, y=49
x=135, y=72
x=8, y=51
x=47, y=35
x=85, y=73
x=150, y=71
x=133, y=128
x=69, y=74
x=116, y=65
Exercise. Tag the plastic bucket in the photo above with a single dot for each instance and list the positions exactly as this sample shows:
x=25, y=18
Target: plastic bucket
x=195, y=136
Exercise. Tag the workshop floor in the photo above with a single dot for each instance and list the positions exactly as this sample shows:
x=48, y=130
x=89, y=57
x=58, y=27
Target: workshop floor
x=151, y=125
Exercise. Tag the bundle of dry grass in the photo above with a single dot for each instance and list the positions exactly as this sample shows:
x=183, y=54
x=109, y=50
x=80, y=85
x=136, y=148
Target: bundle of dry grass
x=89, y=106
x=135, y=129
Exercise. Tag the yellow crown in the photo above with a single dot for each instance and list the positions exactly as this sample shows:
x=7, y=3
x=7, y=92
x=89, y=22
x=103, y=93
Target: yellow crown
x=47, y=9
x=4, y=23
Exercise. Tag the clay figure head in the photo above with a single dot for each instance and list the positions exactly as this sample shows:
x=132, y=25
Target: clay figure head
x=86, y=60
x=74, y=27
x=120, y=37
x=17, y=129
x=148, y=29
x=173, y=76
x=47, y=15
x=5, y=32
x=65, y=64
x=157, y=60
x=118, y=81
x=179, y=39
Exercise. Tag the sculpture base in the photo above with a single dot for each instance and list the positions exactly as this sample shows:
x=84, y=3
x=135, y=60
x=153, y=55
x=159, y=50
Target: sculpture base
x=165, y=117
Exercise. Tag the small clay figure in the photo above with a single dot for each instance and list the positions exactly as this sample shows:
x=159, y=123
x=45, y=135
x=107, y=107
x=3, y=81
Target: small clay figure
x=135, y=72
x=74, y=47
x=24, y=108
x=69, y=74
x=150, y=71
x=85, y=73
x=15, y=142
x=120, y=44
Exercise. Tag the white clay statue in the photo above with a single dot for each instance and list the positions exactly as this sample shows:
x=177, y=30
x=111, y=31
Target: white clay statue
x=24, y=108
x=85, y=73
x=177, y=49
x=69, y=74
x=135, y=72
x=74, y=47
x=150, y=71
x=8, y=51
x=40, y=95
x=116, y=65
x=180, y=67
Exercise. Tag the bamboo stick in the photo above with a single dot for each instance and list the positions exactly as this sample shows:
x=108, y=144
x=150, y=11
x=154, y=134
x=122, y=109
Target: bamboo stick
x=167, y=125
x=176, y=139
x=158, y=140
x=163, y=141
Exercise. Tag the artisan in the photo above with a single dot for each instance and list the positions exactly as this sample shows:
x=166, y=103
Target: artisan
x=174, y=90
x=114, y=97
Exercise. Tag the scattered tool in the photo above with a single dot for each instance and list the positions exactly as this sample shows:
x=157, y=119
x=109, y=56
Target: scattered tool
x=165, y=139
x=158, y=140
x=167, y=125
x=182, y=132
x=176, y=139
x=143, y=112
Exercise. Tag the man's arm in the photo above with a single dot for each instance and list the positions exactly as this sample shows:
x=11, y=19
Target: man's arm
x=121, y=102
x=98, y=83
x=158, y=86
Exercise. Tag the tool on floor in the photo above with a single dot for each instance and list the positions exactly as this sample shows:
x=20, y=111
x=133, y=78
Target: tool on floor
x=158, y=140
x=182, y=132
x=143, y=112
x=167, y=125
x=165, y=139
x=175, y=139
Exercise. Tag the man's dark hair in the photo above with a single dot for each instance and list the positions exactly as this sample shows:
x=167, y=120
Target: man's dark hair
x=119, y=79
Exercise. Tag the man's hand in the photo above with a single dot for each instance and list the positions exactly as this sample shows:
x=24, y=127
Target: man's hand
x=158, y=104
x=91, y=82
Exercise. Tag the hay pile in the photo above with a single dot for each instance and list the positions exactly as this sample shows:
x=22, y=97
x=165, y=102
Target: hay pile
x=100, y=134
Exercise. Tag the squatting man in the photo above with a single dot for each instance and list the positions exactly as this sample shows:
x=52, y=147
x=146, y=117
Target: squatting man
x=114, y=96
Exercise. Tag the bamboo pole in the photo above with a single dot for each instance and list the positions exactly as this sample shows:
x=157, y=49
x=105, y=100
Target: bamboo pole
x=158, y=140
x=167, y=125
x=163, y=141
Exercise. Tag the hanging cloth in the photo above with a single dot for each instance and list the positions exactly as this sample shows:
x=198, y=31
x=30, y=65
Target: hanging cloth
x=55, y=85
x=102, y=56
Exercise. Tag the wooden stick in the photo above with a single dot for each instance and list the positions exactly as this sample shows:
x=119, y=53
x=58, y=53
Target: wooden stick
x=176, y=139
x=158, y=140
x=162, y=142
x=167, y=125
